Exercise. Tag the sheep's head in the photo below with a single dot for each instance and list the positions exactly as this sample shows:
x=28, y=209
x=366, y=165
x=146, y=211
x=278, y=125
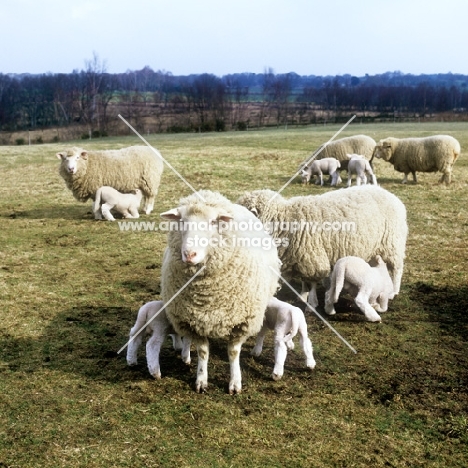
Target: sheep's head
x=257, y=202
x=305, y=175
x=71, y=157
x=199, y=227
x=383, y=150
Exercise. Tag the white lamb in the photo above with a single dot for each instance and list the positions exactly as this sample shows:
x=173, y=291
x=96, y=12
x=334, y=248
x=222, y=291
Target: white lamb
x=220, y=269
x=319, y=167
x=159, y=328
x=339, y=149
x=107, y=198
x=371, y=287
x=317, y=230
x=125, y=169
x=429, y=154
x=359, y=166
x=286, y=320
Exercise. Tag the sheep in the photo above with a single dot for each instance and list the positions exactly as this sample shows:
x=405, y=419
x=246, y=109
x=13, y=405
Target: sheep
x=370, y=286
x=286, y=320
x=125, y=169
x=159, y=327
x=339, y=149
x=359, y=166
x=317, y=230
x=429, y=154
x=233, y=268
x=107, y=198
x=322, y=166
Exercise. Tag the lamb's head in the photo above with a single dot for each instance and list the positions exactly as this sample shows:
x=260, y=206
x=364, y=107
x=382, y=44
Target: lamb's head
x=388, y=288
x=138, y=194
x=259, y=202
x=305, y=175
x=200, y=228
x=70, y=159
x=383, y=150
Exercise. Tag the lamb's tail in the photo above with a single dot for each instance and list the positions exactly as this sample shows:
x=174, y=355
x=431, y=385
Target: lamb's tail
x=97, y=201
x=295, y=322
x=337, y=282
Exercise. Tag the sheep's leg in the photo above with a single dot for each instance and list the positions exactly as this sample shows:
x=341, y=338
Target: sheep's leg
x=257, y=349
x=405, y=179
x=132, y=348
x=153, y=348
x=106, y=207
x=132, y=213
x=185, y=354
x=362, y=301
x=306, y=345
x=304, y=291
x=382, y=303
x=397, y=274
x=329, y=304
x=415, y=179
x=234, y=349
x=281, y=352
x=312, y=296
x=97, y=210
x=203, y=352
x=321, y=179
x=350, y=177
x=149, y=204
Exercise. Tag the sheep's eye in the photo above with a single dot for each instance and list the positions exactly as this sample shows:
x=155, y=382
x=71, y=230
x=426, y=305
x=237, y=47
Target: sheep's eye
x=214, y=222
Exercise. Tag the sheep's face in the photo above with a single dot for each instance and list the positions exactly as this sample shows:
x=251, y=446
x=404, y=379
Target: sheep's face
x=200, y=231
x=383, y=151
x=305, y=176
x=70, y=159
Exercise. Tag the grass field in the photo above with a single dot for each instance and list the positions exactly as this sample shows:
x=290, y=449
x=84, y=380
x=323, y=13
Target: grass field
x=71, y=287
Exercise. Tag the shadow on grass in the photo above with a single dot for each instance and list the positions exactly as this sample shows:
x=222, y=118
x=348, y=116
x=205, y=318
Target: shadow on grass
x=83, y=211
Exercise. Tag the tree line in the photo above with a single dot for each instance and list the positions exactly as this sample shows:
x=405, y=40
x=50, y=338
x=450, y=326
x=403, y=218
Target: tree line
x=92, y=98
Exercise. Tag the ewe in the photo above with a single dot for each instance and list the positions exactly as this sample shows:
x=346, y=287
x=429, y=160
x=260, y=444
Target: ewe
x=236, y=266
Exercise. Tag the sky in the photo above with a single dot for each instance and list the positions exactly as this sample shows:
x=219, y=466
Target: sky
x=307, y=37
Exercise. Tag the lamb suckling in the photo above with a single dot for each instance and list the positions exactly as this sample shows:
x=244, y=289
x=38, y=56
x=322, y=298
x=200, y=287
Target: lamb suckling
x=370, y=286
x=159, y=328
x=317, y=168
x=125, y=170
x=107, y=199
x=429, y=154
x=286, y=320
x=220, y=268
x=317, y=230
x=359, y=166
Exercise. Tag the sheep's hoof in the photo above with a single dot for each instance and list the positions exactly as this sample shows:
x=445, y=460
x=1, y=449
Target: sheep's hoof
x=156, y=376
x=235, y=391
x=276, y=377
x=201, y=387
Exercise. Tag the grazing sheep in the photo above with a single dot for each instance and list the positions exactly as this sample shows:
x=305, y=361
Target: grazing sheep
x=339, y=149
x=429, y=154
x=107, y=198
x=317, y=230
x=319, y=167
x=158, y=328
x=237, y=268
x=371, y=287
x=286, y=320
x=125, y=169
x=359, y=166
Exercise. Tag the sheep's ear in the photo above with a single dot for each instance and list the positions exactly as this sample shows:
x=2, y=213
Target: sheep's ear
x=225, y=217
x=254, y=211
x=61, y=155
x=172, y=215
x=84, y=155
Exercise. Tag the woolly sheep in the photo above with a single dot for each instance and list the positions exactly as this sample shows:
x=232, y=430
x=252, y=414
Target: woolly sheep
x=371, y=287
x=317, y=230
x=237, y=266
x=107, y=198
x=322, y=166
x=158, y=327
x=286, y=320
x=125, y=169
x=429, y=154
x=359, y=166
x=339, y=149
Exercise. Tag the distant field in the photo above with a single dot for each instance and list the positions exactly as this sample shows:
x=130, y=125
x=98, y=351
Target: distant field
x=71, y=287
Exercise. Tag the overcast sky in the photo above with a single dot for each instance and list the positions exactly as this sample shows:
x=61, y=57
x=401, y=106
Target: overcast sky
x=308, y=37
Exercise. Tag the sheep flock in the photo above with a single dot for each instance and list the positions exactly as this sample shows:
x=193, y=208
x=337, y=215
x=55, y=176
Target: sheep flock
x=226, y=261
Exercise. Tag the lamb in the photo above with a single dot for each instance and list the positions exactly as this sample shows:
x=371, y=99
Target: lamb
x=107, y=198
x=220, y=268
x=286, y=320
x=317, y=230
x=429, y=154
x=158, y=327
x=125, y=169
x=371, y=287
x=322, y=166
x=359, y=166
x=339, y=149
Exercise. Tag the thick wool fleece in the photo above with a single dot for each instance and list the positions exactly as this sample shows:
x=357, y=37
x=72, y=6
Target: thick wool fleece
x=379, y=227
x=125, y=170
x=229, y=298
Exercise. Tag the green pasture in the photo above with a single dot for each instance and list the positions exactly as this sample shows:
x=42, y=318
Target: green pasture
x=71, y=287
